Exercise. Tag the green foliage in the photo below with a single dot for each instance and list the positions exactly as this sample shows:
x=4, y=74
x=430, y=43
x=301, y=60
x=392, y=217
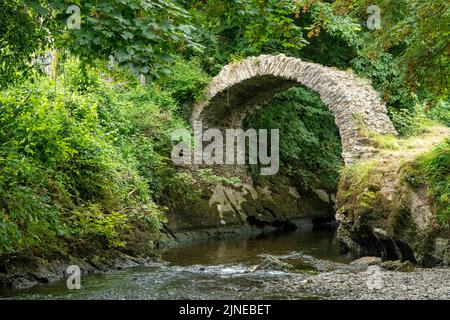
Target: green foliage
x=417, y=119
x=357, y=175
x=386, y=78
x=440, y=112
x=20, y=38
x=241, y=28
x=74, y=158
x=186, y=83
x=253, y=25
x=409, y=122
x=91, y=220
x=435, y=166
x=415, y=33
x=333, y=40
x=310, y=148
x=141, y=35
x=409, y=113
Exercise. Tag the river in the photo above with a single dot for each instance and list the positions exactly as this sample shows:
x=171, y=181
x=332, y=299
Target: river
x=219, y=269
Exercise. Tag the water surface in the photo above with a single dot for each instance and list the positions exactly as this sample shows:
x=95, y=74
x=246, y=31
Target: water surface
x=219, y=269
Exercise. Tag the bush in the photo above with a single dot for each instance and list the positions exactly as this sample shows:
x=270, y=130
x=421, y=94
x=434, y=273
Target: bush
x=436, y=168
x=77, y=158
x=440, y=112
x=186, y=83
x=385, y=78
x=408, y=122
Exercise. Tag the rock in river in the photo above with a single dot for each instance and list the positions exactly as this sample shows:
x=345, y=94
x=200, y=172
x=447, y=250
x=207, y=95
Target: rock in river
x=271, y=263
x=366, y=261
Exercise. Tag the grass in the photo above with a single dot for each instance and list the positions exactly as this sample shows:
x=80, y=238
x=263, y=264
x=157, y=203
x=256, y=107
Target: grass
x=412, y=145
x=435, y=168
x=358, y=174
x=425, y=160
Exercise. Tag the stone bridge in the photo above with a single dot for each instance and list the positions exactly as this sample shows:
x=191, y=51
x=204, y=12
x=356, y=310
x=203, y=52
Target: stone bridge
x=245, y=86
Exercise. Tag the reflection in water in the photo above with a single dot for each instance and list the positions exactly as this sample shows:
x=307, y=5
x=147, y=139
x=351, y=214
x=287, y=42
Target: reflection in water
x=320, y=244
x=203, y=270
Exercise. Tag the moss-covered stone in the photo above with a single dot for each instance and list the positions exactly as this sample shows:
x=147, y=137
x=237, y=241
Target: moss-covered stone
x=385, y=210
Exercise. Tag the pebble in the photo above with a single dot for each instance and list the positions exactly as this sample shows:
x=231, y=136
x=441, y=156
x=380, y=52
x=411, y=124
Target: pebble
x=420, y=284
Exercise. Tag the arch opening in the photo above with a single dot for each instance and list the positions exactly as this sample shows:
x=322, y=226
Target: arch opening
x=310, y=148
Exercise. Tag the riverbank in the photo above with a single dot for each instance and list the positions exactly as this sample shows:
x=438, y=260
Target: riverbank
x=226, y=214
x=311, y=268
x=28, y=269
x=420, y=284
x=48, y=263
x=395, y=205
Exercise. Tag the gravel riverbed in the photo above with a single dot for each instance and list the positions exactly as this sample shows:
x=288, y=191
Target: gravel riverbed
x=421, y=284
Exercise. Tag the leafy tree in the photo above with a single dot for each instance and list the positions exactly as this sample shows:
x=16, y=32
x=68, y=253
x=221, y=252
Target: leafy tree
x=240, y=28
x=416, y=34
x=141, y=35
x=20, y=37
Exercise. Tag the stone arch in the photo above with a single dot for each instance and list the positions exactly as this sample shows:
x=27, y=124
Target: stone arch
x=245, y=86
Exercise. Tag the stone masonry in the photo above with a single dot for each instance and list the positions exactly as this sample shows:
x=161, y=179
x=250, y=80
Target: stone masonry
x=243, y=87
